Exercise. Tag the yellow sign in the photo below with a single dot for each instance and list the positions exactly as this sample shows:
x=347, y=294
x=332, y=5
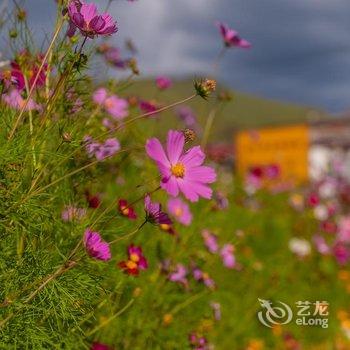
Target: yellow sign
x=287, y=147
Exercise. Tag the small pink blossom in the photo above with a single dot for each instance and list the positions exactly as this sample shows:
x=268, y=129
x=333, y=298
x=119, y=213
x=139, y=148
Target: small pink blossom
x=163, y=83
x=231, y=38
x=179, y=275
x=227, y=256
x=85, y=18
x=180, y=210
x=95, y=246
x=135, y=262
x=181, y=171
x=210, y=241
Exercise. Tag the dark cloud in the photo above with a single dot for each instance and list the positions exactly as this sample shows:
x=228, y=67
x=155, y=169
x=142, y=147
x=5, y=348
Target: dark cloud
x=301, y=50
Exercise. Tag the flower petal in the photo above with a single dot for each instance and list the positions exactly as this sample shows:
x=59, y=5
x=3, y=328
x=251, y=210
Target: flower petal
x=175, y=145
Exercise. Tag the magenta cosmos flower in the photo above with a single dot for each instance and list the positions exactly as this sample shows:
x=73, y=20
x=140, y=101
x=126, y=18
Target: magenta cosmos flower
x=163, y=83
x=181, y=171
x=154, y=213
x=135, y=262
x=180, y=210
x=86, y=18
x=231, y=37
x=95, y=246
x=210, y=241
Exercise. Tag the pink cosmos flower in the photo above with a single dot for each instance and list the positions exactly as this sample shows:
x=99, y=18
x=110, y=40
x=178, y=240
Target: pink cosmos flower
x=180, y=210
x=15, y=100
x=95, y=246
x=115, y=106
x=187, y=115
x=231, y=37
x=154, y=213
x=85, y=17
x=181, y=171
x=210, y=241
x=227, y=256
x=163, y=83
x=136, y=261
x=179, y=275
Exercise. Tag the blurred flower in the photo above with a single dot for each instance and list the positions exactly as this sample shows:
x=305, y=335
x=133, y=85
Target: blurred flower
x=203, y=277
x=231, y=37
x=148, y=107
x=94, y=201
x=186, y=114
x=72, y=213
x=84, y=17
x=99, y=346
x=179, y=275
x=126, y=210
x=180, y=210
x=112, y=56
x=181, y=171
x=15, y=100
x=101, y=151
x=216, y=309
x=136, y=261
x=198, y=342
x=313, y=199
x=167, y=228
x=227, y=256
x=343, y=234
x=163, y=83
x=210, y=241
x=115, y=106
x=321, y=212
x=341, y=253
x=221, y=201
x=154, y=213
x=321, y=245
x=296, y=200
x=300, y=247
x=95, y=246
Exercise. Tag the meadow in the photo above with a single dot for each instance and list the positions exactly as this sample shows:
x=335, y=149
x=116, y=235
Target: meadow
x=120, y=230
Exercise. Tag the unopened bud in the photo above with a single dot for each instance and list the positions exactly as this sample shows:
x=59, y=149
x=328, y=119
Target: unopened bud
x=190, y=135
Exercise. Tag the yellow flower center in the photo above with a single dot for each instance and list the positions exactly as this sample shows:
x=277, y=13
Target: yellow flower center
x=131, y=265
x=178, y=212
x=134, y=258
x=178, y=170
x=125, y=210
x=109, y=103
x=165, y=227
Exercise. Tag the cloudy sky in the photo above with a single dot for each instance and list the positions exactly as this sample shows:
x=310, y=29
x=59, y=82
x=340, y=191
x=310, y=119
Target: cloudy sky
x=300, y=53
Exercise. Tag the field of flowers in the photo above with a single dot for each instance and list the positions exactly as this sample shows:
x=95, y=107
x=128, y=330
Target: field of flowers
x=120, y=230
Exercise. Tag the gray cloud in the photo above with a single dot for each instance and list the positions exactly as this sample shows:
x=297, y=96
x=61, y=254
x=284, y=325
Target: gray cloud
x=301, y=51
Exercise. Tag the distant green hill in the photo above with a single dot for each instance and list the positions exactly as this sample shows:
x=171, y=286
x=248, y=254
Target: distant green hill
x=244, y=111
